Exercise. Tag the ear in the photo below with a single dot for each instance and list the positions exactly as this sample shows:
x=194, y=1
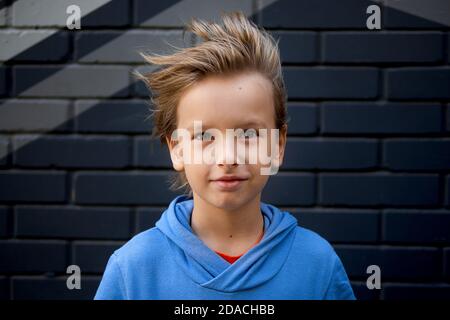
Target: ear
x=176, y=154
x=282, y=145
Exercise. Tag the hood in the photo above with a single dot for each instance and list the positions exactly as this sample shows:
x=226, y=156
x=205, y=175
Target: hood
x=207, y=268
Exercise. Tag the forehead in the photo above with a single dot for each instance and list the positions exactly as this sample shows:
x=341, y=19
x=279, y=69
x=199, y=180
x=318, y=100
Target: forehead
x=228, y=101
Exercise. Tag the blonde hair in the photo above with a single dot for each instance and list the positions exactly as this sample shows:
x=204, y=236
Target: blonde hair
x=235, y=45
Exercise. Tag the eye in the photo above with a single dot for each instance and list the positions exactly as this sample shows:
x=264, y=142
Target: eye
x=251, y=133
x=204, y=136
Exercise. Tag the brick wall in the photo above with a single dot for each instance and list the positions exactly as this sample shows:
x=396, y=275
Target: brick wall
x=367, y=163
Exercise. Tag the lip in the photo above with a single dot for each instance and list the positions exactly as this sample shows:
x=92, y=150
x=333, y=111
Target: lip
x=229, y=183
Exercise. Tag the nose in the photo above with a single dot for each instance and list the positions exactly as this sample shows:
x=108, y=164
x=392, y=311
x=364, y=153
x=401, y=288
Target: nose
x=226, y=154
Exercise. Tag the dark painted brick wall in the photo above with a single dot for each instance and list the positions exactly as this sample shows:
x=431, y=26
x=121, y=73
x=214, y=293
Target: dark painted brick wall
x=367, y=164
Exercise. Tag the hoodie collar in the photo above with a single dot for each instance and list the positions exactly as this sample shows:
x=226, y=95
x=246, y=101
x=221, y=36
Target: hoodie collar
x=207, y=268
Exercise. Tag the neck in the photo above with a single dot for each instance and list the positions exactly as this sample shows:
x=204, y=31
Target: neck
x=227, y=230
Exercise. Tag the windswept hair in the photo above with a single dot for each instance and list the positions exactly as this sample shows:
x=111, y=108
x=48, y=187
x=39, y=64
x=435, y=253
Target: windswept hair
x=232, y=46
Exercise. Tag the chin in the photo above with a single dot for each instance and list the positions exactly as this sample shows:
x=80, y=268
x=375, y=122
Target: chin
x=229, y=200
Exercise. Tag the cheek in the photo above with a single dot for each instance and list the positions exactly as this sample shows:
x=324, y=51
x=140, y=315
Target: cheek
x=261, y=178
x=257, y=183
x=196, y=174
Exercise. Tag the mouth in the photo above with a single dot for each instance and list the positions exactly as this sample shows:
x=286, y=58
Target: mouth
x=228, y=184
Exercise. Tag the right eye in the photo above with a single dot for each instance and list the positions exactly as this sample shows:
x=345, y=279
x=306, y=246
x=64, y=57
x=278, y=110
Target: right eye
x=203, y=136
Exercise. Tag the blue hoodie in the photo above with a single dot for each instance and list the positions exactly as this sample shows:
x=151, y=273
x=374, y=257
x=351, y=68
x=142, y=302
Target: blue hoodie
x=169, y=262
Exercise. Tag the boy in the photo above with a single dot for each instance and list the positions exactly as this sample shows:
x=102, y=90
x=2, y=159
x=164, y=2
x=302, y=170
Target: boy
x=220, y=241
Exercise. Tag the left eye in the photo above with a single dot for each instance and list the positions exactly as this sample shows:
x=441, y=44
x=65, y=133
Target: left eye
x=250, y=133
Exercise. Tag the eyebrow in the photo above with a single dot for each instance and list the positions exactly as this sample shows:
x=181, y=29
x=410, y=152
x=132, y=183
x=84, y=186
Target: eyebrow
x=242, y=125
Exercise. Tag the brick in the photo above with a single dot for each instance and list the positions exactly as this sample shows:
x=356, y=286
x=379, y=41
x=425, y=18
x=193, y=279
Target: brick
x=50, y=13
x=123, y=188
x=114, y=13
x=92, y=257
x=385, y=118
x=151, y=153
x=297, y=47
x=414, y=226
x=72, y=222
x=107, y=116
x=303, y=118
x=331, y=82
x=140, y=88
x=413, y=15
x=34, y=45
x=4, y=286
x=41, y=115
x=448, y=117
x=32, y=256
x=363, y=293
x=383, y=47
x=400, y=263
x=319, y=153
x=3, y=89
x=176, y=14
x=418, y=83
x=30, y=186
x=448, y=48
x=447, y=263
x=379, y=189
x=41, y=288
x=411, y=154
x=339, y=225
x=71, y=81
x=290, y=189
x=4, y=151
x=4, y=222
x=72, y=151
x=147, y=217
x=447, y=188
x=3, y=9
x=412, y=291
x=118, y=46
x=325, y=14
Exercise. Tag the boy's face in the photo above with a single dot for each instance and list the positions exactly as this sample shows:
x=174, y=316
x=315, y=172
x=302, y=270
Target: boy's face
x=242, y=101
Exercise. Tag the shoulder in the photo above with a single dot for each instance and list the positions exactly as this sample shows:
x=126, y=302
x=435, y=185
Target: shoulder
x=144, y=245
x=313, y=259
x=314, y=246
x=311, y=239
